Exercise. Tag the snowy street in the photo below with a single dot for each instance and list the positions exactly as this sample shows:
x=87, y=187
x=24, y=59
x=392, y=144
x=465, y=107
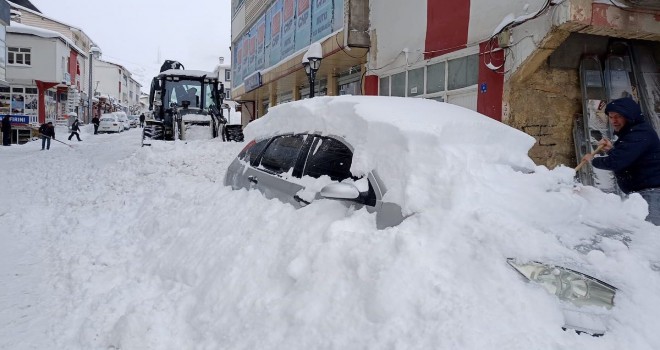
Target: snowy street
x=109, y=245
x=75, y=218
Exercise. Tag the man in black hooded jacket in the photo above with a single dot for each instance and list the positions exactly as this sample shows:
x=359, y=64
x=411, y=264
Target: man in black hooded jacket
x=635, y=156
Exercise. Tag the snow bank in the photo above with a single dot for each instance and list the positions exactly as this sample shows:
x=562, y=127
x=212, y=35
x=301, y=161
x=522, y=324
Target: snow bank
x=109, y=245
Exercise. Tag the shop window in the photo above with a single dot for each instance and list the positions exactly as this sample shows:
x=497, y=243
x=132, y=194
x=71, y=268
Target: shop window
x=5, y=101
x=399, y=84
x=435, y=78
x=463, y=72
x=19, y=56
x=384, y=86
x=416, y=82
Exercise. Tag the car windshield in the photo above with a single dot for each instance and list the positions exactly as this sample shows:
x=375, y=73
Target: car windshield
x=200, y=95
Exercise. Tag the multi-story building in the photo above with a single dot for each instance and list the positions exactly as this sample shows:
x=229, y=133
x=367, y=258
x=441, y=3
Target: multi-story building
x=40, y=66
x=515, y=61
x=4, y=22
x=223, y=72
x=26, y=13
x=115, y=87
x=269, y=38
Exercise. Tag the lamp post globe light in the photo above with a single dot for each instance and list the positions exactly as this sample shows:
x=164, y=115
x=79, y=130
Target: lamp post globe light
x=311, y=61
x=93, y=51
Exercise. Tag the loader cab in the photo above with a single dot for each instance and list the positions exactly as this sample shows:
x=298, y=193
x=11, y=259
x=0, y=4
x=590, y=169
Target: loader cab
x=179, y=98
x=172, y=88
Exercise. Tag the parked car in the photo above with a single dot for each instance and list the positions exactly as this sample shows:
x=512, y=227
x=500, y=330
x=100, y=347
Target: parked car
x=109, y=122
x=133, y=121
x=123, y=119
x=397, y=157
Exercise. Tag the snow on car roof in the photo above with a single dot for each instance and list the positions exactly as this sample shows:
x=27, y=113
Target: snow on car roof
x=402, y=138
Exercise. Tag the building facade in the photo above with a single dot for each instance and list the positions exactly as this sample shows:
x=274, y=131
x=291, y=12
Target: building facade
x=515, y=61
x=232, y=109
x=27, y=14
x=269, y=38
x=115, y=87
x=40, y=67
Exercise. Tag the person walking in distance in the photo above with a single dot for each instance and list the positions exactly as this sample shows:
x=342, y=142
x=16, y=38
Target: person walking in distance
x=47, y=131
x=96, y=123
x=6, y=131
x=142, y=120
x=635, y=155
x=75, y=128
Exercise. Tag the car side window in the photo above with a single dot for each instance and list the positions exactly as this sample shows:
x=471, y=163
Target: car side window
x=252, y=151
x=281, y=154
x=329, y=157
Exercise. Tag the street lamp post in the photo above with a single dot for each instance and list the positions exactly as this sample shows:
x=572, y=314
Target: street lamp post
x=93, y=51
x=311, y=61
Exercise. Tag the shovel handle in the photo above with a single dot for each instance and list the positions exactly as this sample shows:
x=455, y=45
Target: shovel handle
x=583, y=162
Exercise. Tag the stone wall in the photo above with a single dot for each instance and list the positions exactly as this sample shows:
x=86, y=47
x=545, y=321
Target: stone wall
x=544, y=105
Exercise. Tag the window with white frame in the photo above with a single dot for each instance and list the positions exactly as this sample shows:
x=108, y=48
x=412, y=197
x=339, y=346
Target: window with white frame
x=432, y=80
x=21, y=56
x=227, y=75
x=227, y=94
x=462, y=72
x=398, y=87
x=384, y=86
x=416, y=82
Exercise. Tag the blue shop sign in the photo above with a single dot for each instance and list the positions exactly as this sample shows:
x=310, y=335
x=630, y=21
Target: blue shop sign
x=252, y=82
x=19, y=119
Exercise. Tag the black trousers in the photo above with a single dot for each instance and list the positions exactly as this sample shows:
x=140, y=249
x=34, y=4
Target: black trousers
x=74, y=133
x=6, y=138
x=96, y=129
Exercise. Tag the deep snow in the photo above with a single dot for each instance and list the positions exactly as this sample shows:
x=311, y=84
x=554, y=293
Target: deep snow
x=109, y=245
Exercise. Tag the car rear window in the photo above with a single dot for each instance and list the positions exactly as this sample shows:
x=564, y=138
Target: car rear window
x=252, y=151
x=281, y=154
x=107, y=119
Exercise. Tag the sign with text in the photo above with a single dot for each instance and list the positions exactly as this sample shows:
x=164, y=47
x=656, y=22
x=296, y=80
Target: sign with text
x=321, y=19
x=276, y=33
x=261, y=38
x=303, y=24
x=252, y=82
x=288, y=27
x=19, y=119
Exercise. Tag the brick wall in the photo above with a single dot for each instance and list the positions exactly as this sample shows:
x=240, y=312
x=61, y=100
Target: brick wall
x=544, y=106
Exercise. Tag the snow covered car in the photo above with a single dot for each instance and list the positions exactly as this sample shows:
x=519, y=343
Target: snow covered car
x=403, y=161
x=109, y=122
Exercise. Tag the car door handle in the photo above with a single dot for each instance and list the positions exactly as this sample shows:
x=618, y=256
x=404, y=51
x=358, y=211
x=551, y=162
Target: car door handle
x=253, y=179
x=300, y=200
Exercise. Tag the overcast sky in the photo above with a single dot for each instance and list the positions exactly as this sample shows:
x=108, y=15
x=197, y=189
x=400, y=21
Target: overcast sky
x=132, y=32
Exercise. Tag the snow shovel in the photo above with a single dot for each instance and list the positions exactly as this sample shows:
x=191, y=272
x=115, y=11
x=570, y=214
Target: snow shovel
x=596, y=151
x=53, y=138
x=60, y=142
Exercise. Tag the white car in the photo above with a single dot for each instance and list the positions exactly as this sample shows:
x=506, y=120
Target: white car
x=133, y=120
x=420, y=168
x=109, y=122
x=123, y=119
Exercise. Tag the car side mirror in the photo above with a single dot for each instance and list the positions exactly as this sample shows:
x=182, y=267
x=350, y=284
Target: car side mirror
x=339, y=190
